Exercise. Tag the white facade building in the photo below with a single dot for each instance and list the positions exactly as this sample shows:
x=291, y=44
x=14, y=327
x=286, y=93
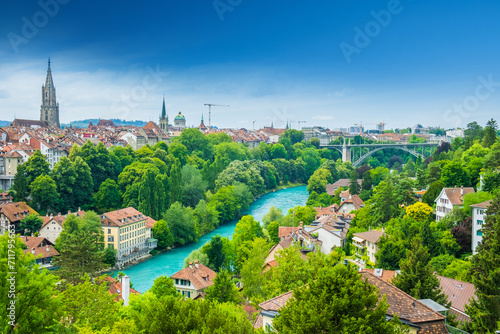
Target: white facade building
x=450, y=198
x=478, y=218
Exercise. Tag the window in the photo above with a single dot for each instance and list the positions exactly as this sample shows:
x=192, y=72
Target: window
x=177, y=282
x=109, y=230
x=189, y=294
x=479, y=233
x=480, y=222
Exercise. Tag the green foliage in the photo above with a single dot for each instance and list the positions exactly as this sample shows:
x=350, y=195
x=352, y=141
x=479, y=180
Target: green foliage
x=475, y=198
x=295, y=136
x=417, y=278
x=433, y=192
x=274, y=214
x=318, y=181
x=20, y=186
x=37, y=305
x=45, y=197
x=274, y=229
x=196, y=255
x=251, y=270
x=367, y=182
x=305, y=214
x=391, y=251
x=215, y=252
x=384, y=205
x=108, y=198
x=485, y=310
x=459, y=270
x=193, y=186
x=154, y=194
x=175, y=315
x=241, y=172
x=223, y=290
x=81, y=245
x=89, y=304
x=110, y=256
x=36, y=166
x=181, y=223
x=31, y=224
x=490, y=133
x=162, y=233
x=163, y=286
x=206, y=216
x=419, y=211
x=354, y=187
x=453, y=174
x=337, y=301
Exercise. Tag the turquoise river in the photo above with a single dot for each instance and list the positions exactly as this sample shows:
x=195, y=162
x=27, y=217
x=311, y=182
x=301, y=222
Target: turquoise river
x=168, y=263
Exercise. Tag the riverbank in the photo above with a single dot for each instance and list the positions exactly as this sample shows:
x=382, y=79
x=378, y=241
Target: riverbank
x=286, y=186
x=169, y=262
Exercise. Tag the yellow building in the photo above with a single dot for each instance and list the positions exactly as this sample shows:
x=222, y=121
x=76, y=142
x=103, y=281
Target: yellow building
x=125, y=231
x=8, y=168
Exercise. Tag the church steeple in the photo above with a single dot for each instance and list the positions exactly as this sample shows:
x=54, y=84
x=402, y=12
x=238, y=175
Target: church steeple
x=49, y=110
x=164, y=118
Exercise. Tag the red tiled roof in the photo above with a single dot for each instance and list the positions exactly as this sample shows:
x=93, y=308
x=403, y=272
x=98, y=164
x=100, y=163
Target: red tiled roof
x=456, y=195
x=285, y=231
x=482, y=205
x=276, y=303
x=387, y=275
x=201, y=277
x=150, y=222
x=459, y=293
x=123, y=217
x=44, y=251
x=16, y=211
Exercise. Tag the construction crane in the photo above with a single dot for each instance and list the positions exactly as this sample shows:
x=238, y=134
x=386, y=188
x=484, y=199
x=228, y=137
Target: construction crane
x=300, y=122
x=210, y=105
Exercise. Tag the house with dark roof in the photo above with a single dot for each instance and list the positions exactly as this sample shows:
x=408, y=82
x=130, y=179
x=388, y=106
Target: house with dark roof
x=449, y=198
x=351, y=203
x=341, y=183
x=42, y=249
x=419, y=317
x=193, y=280
x=367, y=242
x=5, y=198
x=12, y=214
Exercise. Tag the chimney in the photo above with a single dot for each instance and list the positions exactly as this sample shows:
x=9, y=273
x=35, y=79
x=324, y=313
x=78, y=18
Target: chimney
x=69, y=212
x=79, y=209
x=191, y=265
x=383, y=229
x=197, y=264
x=26, y=238
x=208, y=278
x=462, y=190
x=369, y=228
x=58, y=213
x=47, y=248
x=125, y=289
x=33, y=250
x=32, y=235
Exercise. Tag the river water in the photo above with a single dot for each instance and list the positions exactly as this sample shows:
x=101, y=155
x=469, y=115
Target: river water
x=168, y=263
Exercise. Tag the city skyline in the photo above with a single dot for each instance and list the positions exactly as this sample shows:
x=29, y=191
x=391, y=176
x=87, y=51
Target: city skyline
x=329, y=64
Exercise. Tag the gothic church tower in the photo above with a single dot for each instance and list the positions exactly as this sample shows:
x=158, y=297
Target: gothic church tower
x=164, y=118
x=49, y=110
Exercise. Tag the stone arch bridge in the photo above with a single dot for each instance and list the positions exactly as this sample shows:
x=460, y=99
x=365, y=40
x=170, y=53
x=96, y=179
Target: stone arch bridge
x=349, y=151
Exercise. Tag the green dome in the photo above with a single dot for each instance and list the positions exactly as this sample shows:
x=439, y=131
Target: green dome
x=180, y=117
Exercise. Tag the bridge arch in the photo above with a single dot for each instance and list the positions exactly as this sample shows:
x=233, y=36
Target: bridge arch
x=358, y=162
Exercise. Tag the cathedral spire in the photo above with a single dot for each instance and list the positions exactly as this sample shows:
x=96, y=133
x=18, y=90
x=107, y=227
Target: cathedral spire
x=49, y=110
x=163, y=110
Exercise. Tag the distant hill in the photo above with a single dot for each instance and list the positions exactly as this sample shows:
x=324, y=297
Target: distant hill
x=85, y=123
x=4, y=123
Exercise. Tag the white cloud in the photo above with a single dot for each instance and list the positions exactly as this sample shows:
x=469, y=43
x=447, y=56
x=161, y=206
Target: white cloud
x=323, y=117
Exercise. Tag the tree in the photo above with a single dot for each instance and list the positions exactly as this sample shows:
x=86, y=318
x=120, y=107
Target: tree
x=81, y=246
x=206, y=216
x=110, y=256
x=176, y=182
x=485, y=310
x=315, y=142
x=453, y=174
x=274, y=214
x=176, y=315
x=419, y=211
x=181, y=223
x=247, y=229
x=274, y=229
x=20, y=187
x=31, y=224
x=417, y=278
x=223, y=290
x=84, y=185
x=108, y=198
x=433, y=192
x=338, y=301
x=251, y=270
x=196, y=255
x=354, y=187
x=318, y=181
x=367, y=182
x=384, y=205
x=163, y=286
x=154, y=194
x=36, y=166
x=162, y=233
x=490, y=133
x=37, y=305
x=473, y=132
x=195, y=141
x=278, y=151
x=44, y=194
x=193, y=185
x=90, y=304
x=462, y=232
x=64, y=176
x=215, y=253
x=295, y=136
x=390, y=252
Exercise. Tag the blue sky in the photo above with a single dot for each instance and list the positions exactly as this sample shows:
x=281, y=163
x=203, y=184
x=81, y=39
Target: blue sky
x=428, y=62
